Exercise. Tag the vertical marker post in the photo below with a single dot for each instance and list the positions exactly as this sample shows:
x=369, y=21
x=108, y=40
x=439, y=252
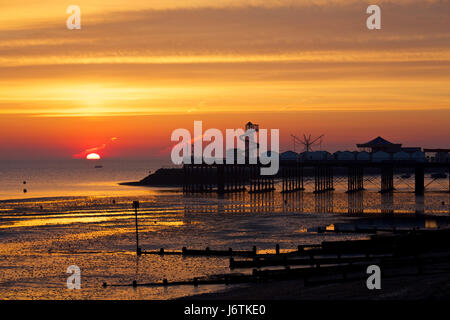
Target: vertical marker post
x=136, y=206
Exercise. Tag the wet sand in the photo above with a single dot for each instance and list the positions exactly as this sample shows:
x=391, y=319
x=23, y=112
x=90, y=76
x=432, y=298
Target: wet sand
x=41, y=237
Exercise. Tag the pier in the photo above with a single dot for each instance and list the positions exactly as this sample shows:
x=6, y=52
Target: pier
x=292, y=178
x=223, y=178
x=355, y=178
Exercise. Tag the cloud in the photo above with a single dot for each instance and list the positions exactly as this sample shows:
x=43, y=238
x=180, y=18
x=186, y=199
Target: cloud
x=96, y=149
x=231, y=31
x=236, y=56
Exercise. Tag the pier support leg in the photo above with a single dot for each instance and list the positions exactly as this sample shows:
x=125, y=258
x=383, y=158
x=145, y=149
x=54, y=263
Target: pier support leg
x=220, y=179
x=331, y=178
x=419, y=180
x=292, y=179
x=316, y=179
x=387, y=179
x=448, y=179
x=184, y=178
x=351, y=179
x=323, y=179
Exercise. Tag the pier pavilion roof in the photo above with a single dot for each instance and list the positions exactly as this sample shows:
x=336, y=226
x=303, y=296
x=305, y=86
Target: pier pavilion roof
x=379, y=144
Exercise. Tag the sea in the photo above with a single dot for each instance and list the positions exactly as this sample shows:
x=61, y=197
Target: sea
x=58, y=214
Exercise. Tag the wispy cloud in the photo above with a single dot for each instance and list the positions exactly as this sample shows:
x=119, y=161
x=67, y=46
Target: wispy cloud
x=231, y=31
x=96, y=149
x=168, y=56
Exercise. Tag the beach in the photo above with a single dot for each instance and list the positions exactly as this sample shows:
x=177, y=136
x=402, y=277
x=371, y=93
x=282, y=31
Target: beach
x=42, y=232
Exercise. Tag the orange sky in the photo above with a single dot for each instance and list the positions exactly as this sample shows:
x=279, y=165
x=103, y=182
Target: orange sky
x=138, y=72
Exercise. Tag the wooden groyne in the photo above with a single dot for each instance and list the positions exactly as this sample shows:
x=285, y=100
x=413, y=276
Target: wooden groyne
x=342, y=271
x=373, y=230
x=334, y=260
x=204, y=252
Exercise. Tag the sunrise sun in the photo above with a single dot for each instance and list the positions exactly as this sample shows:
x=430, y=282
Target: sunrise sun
x=93, y=156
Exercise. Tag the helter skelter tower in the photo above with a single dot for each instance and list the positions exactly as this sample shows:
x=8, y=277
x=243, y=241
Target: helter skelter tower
x=308, y=142
x=250, y=126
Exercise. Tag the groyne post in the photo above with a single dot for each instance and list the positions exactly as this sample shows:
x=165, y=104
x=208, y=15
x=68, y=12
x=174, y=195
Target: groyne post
x=136, y=206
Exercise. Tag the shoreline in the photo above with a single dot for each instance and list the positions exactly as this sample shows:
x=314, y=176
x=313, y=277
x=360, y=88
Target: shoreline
x=140, y=184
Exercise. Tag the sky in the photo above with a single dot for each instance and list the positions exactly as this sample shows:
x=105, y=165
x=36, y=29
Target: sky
x=139, y=69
